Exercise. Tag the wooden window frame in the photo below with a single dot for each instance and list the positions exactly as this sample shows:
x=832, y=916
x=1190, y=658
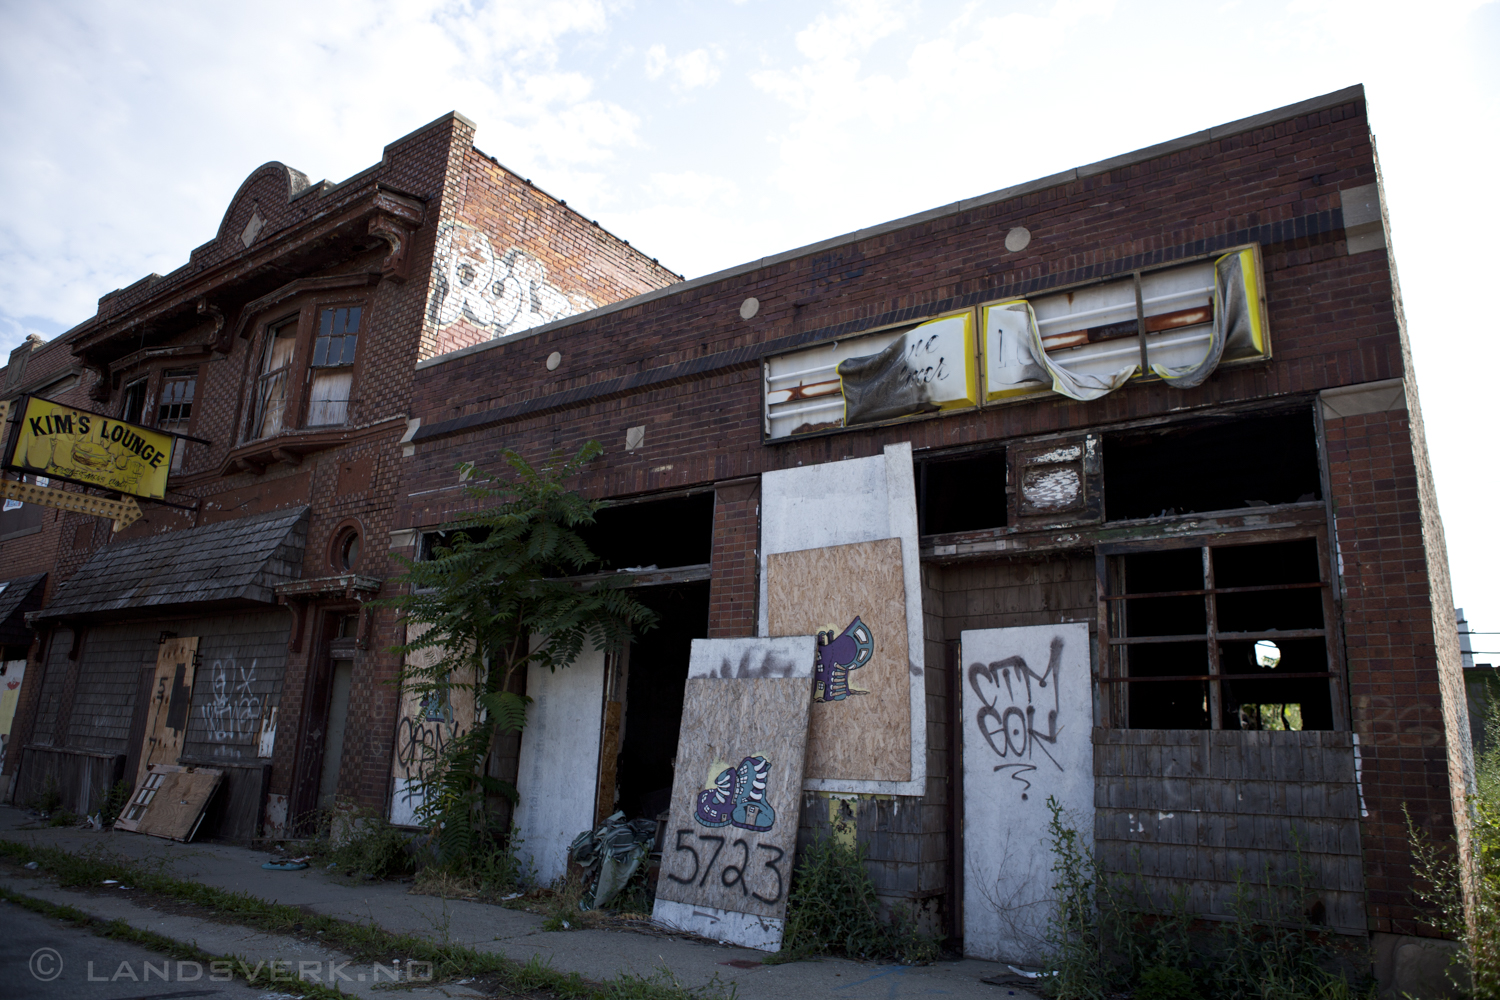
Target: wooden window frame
x=1114, y=686
x=304, y=311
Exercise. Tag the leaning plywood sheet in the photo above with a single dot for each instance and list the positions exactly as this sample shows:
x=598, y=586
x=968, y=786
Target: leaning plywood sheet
x=559, y=766
x=732, y=833
x=170, y=801
x=852, y=597
x=842, y=504
x=1028, y=737
x=171, y=703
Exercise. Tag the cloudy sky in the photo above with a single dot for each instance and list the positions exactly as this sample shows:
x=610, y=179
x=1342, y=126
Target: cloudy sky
x=712, y=132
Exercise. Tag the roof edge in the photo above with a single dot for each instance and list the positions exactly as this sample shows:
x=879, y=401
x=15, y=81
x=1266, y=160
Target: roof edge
x=1213, y=134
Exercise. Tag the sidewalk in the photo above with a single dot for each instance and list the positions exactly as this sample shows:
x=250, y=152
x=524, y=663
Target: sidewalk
x=594, y=954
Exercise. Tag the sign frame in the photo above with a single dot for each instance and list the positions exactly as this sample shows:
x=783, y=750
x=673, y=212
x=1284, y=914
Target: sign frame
x=13, y=412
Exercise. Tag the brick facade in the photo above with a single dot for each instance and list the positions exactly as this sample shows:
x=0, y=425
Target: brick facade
x=686, y=367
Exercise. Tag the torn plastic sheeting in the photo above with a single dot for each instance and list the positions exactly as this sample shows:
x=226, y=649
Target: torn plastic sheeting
x=882, y=386
x=610, y=855
x=1067, y=383
x=1236, y=323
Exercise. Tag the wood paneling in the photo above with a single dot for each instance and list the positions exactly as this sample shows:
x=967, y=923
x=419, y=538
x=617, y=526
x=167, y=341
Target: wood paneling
x=1197, y=810
x=866, y=736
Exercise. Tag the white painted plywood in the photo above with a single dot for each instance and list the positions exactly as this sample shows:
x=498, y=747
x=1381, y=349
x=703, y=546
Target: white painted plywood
x=559, y=764
x=1027, y=735
x=839, y=503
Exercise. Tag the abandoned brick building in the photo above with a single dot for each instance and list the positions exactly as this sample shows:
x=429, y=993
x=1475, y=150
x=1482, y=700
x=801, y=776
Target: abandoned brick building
x=1161, y=406
x=227, y=627
x=1113, y=484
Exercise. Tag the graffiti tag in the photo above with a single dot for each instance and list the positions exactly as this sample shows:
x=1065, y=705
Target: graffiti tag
x=1013, y=696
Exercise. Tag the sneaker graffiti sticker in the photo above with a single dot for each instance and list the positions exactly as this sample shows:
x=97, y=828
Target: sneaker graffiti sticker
x=851, y=650
x=736, y=796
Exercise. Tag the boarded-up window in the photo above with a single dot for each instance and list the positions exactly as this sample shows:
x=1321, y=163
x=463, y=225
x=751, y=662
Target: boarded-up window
x=333, y=366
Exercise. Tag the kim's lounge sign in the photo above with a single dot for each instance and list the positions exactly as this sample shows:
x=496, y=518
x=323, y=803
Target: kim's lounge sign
x=61, y=442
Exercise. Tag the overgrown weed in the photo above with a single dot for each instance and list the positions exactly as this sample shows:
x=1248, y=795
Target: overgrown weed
x=832, y=908
x=1106, y=934
x=1441, y=876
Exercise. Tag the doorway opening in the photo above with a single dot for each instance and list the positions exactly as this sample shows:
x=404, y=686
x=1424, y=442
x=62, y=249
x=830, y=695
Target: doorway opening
x=654, y=684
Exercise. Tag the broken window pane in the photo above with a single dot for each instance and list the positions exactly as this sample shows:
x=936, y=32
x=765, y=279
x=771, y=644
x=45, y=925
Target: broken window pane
x=1251, y=460
x=175, y=411
x=132, y=411
x=962, y=494
x=1198, y=633
x=271, y=386
x=333, y=361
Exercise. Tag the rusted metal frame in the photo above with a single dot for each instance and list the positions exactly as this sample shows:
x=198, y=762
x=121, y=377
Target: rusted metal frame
x=1227, y=678
x=1291, y=633
x=1333, y=645
x=1140, y=322
x=1211, y=619
x=1216, y=590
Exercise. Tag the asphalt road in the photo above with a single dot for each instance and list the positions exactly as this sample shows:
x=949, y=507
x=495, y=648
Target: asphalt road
x=44, y=958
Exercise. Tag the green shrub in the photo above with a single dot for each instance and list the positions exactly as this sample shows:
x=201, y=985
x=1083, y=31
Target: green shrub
x=832, y=908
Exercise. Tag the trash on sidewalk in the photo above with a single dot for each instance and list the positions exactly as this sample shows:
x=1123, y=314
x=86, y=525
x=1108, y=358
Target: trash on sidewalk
x=610, y=855
x=284, y=866
x=32, y=865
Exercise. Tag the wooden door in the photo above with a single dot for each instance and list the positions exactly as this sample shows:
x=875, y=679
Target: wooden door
x=171, y=704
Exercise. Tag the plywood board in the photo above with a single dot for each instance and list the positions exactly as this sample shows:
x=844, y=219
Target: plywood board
x=844, y=503
x=732, y=835
x=558, y=772
x=853, y=598
x=171, y=703
x=169, y=802
x=1027, y=736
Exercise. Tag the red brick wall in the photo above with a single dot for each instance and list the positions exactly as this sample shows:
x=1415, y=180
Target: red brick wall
x=686, y=367
x=734, y=589
x=508, y=245
x=1390, y=649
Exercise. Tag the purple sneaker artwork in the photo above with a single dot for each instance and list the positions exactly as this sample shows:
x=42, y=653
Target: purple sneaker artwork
x=837, y=656
x=738, y=797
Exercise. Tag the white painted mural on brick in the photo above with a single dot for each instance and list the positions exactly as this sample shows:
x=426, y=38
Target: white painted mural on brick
x=504, y=292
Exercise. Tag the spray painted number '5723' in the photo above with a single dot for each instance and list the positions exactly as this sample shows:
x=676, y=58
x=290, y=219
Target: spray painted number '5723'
x=732, y=874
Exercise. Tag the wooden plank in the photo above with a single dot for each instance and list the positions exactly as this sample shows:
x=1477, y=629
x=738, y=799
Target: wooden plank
x=866, y=735
x=609, y=762
x=171, y=704
x=737, y=793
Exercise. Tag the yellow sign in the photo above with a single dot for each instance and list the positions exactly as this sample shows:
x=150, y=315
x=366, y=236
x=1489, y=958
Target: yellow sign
x=123, y=512
x=57, y=440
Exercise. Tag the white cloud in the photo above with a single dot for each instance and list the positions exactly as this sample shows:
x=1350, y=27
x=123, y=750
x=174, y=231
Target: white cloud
x=698, y=68
x=140, y=122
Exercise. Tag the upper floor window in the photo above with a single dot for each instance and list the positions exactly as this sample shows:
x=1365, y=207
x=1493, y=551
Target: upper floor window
x=306, y=371
x=271, y=387
x=133, y=407
x=333, y=366
x=174, y=412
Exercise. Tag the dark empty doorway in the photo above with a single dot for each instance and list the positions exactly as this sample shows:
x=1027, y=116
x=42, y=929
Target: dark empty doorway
x=656, y=676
